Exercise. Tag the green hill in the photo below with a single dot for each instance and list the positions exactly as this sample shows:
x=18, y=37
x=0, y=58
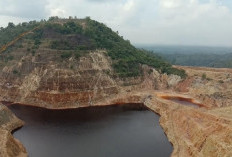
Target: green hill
x=77, y=37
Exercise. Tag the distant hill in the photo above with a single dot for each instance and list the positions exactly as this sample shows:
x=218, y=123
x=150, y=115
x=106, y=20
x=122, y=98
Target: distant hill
x=218, y=57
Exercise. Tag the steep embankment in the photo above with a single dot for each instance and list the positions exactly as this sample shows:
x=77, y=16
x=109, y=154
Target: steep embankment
x=195, y=132
x=212, y=86
x=87, y=84
x=204, y=131
x=65, y=63
x=9, y=147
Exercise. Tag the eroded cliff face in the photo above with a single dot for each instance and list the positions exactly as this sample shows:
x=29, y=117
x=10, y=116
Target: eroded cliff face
x=204, y=131
x=74, y=84
x=9, y=147
x=211, y=86
x=90, y=81
x=52, y=86
x=194, y=132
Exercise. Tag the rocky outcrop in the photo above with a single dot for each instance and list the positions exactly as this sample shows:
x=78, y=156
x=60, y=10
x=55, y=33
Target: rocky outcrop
x=9, y=147
x=204, y=131
x=212, y=86
x=194, y=131
x=43, y=81
x=75, y=84
x=51, y=86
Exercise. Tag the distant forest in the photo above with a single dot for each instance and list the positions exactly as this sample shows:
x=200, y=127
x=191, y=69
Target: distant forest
x=218, y=57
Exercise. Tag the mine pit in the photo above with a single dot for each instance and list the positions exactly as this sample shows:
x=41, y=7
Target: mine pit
x=119, y=130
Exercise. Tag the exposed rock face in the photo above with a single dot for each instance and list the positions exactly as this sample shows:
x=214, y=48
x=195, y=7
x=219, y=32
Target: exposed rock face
x=44, y=82
x=195, y=131
x=9, y=147
x=89, y=81
x=54, y=87
x=205, y=131
x=210, y=85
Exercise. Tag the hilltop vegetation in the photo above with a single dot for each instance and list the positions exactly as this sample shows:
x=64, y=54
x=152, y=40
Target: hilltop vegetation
x=11, y=31
x=76, y=37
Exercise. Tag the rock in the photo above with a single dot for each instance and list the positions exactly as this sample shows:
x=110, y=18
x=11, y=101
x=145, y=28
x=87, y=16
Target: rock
x=9, y=146
x=194, y=132
x=173, y=80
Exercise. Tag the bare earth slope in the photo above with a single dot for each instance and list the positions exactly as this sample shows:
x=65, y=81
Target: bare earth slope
x=9, y=147
x=210, y=85
x=204, y=131
x=89, y=82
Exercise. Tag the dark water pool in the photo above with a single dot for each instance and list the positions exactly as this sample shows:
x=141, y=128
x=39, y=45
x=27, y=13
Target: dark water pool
x=91, y=132
x=187, y=103
x=183, y=101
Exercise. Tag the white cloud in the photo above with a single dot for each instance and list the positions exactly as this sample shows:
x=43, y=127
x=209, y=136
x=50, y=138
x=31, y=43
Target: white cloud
x=170, y=3
x=6, y=19
x=191, y=22
x=187, y=22
x=129, y=5
x=23, y=8
x=57, y=11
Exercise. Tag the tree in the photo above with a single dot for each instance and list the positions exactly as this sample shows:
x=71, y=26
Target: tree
x=11, y=25
x=52, y=18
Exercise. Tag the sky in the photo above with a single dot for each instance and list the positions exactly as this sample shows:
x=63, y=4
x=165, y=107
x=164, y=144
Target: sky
x=156, y=22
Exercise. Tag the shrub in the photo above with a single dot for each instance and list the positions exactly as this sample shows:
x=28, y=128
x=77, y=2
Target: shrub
x=33, y=52
x=66, y=55
x=37, y=42
x=221, y=81
x=77, y=55
x=61, y=45
x=203, y=77
x=15, y=72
